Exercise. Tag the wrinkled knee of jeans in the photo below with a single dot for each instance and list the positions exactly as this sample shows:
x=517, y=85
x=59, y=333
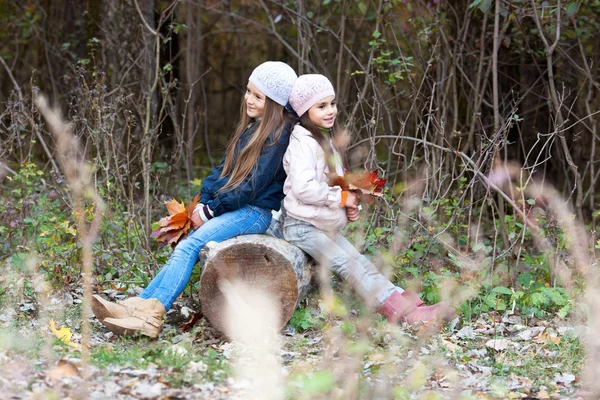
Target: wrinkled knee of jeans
x=185, y=248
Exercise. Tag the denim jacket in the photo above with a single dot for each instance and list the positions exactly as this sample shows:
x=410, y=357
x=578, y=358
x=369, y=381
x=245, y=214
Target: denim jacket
x=263, y=187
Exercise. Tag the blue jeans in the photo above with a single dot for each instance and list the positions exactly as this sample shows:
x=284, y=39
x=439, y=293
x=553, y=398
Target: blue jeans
x=175, y=275
x=336, y=252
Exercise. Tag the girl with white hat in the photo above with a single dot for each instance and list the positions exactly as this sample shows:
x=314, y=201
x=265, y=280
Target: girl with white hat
x=236, y=199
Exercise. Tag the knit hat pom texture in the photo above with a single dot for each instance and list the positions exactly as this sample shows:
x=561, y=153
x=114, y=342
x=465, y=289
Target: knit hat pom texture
x=308, y=90
x=275, y=79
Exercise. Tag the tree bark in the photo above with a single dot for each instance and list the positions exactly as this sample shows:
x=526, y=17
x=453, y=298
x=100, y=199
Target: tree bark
x=263, y=262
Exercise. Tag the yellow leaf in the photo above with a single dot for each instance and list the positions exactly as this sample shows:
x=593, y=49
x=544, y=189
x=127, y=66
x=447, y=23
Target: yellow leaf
x=398, y=188
x=64, y=334
x=418, y=377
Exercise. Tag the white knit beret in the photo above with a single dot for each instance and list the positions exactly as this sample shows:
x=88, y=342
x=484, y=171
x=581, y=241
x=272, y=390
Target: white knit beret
x=275, y=79
x=308, y=90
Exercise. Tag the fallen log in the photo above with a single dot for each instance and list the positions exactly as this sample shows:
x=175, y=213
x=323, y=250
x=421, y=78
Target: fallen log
x=281, y=270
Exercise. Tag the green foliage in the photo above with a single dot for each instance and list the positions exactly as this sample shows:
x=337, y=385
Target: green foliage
x=393, y=67
x=38, y=221
x=568, y=358
x=320, y=382
x=500, y=282
x=304, y=319
x=39, y=224
x=141, y=353
x=540, y=301
x=482, y=5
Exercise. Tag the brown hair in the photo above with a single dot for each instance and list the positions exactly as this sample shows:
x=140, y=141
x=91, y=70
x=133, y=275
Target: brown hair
x=338, y=138
x=272, y=123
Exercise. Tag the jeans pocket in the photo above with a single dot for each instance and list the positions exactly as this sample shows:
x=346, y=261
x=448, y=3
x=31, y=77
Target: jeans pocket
x=257, y=228
x=260, y=225
x=295, y=232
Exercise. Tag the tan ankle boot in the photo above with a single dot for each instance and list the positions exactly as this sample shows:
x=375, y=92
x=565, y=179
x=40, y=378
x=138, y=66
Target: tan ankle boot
x=403, y=308
x=103, y=309
x=147, y=319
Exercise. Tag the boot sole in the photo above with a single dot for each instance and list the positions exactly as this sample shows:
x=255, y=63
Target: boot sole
x=124, y=331
x=99, y=309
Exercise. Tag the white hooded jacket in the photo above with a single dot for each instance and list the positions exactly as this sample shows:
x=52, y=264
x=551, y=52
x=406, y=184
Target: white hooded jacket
x=308, y=197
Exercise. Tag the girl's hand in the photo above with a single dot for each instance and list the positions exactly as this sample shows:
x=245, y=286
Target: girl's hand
x=352, y=213
x=352, y=200
x=196, y=220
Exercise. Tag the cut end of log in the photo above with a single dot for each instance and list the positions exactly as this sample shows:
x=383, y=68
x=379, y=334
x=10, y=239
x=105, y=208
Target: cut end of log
x=266, y=264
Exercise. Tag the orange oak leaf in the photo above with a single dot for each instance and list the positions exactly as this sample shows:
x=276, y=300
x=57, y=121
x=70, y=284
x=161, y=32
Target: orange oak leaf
x=174, y=208
x=175, y=226
x=366, y=184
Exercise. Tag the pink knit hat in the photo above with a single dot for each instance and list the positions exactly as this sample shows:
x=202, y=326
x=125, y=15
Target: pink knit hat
x=308, y=90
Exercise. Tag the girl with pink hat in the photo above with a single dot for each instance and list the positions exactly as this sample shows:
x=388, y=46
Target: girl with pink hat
x=316, y=212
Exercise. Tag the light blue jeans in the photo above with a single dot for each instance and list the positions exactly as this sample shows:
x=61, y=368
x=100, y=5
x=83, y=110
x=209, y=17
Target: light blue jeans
x=173, y=278
x=342, y=257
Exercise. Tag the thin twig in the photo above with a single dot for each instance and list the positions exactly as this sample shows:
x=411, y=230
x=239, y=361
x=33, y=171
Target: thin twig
x=37, y=131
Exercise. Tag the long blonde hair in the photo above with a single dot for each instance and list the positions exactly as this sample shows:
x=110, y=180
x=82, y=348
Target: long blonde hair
x=273, y=122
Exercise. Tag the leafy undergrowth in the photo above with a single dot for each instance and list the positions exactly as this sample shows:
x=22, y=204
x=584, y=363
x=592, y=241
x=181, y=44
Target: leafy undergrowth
x=344, y=353
x=39, y=241
x=495, y=356
x=513, y=338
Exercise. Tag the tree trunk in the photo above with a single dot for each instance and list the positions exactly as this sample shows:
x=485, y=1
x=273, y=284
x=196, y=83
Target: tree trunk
x=263, y=262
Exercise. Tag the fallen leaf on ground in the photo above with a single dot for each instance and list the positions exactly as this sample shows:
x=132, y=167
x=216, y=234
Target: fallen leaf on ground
x=186, y=326
x=466, y=332
x=452, y=347
x=530, y=333
x=545, y=337
x=498, y=344
x=564, y=379
x=542, y=394
x=63, y=369
x=64, y=334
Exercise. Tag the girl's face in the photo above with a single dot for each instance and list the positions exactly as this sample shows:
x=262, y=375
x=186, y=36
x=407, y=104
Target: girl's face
x=323, y=113
x=255, y=101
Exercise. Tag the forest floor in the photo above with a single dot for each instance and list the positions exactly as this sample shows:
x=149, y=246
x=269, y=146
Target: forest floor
x=488, y=357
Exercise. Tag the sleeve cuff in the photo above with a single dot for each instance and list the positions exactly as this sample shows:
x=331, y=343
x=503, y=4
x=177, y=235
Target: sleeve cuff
x=344, y=198
x=204, y=211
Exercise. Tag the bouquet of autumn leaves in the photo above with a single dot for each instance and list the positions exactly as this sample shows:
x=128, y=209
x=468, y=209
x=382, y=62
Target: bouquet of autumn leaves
x=175, y=226
x=366, y=184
